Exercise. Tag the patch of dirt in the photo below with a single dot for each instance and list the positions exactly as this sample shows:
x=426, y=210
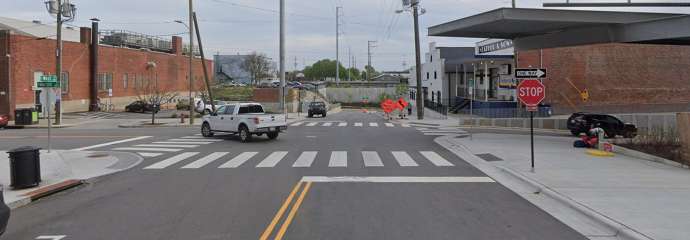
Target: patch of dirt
x=668, y=151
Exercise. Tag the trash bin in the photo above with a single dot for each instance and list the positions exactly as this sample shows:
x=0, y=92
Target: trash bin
x=25, y=167
x=23, y=116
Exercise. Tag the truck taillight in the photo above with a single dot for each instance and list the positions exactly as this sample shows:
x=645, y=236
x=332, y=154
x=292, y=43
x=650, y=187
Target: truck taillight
x=256, y=120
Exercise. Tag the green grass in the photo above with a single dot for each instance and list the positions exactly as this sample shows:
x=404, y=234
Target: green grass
x=233, y=93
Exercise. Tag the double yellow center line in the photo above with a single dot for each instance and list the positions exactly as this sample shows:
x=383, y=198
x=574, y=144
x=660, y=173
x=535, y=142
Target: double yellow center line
x=283, y=228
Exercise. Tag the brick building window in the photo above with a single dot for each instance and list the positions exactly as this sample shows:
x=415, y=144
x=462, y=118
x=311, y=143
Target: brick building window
x=427, y=75
x=64, y=83
x=139, y=81
x=435, y=75
x=125, y=80
x=105, y=81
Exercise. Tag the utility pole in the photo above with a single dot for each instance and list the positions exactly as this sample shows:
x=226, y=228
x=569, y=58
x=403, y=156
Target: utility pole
x=337, y=45
x=58, y=66
x=513, y=3
x=369, y=46
x=282, y=57
x=191, y=59
x=349, y=63
x=420, y=101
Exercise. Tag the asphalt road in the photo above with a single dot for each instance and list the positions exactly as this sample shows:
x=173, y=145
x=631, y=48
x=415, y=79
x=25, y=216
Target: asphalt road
x=225, y=189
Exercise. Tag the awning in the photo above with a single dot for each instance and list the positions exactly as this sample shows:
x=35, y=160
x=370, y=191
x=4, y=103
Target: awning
x=547, y=28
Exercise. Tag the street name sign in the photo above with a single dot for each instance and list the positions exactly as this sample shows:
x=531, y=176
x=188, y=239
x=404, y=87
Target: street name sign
x=48, y=78
x=47, y=85
x=530, y=73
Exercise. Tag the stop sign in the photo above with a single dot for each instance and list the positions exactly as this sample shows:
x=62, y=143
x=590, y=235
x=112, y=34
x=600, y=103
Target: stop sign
x=531, y=92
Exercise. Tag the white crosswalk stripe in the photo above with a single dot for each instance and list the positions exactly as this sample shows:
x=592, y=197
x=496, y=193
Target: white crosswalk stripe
x=170, y=161
x=185, y=143
x=148, y=149
x=405, y=125
x=194, y=137
x=146, y=154
x=404, y=159
x=272, y=159
x=205, y=160
x=342, y=124
x=338, y=159
x=328, y=124
x=311, y=124
x=359, y=124
x=371, y=159
x=238, y=160
x=195, y=140
x=436, y=159
x=373, y=124
x=305, y=159
x=166, y=145
x=296, y=124
x=389, y=125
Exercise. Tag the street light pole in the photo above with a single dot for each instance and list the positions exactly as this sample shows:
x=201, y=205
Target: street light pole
x=282, y=58
x=418, y=62
x=191, y=58
x=58, y=66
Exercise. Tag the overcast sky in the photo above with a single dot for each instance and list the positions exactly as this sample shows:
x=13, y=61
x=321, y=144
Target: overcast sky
x=242, y=26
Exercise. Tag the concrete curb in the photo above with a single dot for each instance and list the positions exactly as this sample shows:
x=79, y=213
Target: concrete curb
x=39, y=126
x=44, y=192
x=622, y=231
x=48, y=190
x=644, y=156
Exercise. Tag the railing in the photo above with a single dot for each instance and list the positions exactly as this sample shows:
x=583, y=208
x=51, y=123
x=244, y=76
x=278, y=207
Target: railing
x=436, y=107
x=543, y=111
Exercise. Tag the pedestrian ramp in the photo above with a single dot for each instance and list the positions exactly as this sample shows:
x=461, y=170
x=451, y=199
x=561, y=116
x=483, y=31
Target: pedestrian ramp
x=304, y=159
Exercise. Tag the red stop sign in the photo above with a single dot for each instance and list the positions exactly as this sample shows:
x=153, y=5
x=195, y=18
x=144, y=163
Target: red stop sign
x=531, y=92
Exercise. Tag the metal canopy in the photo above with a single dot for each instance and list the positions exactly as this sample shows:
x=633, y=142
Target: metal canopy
x=547, y=28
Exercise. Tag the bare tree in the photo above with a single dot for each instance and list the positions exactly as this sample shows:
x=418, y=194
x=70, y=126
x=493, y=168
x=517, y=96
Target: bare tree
x=257, y=65
x=153, y=94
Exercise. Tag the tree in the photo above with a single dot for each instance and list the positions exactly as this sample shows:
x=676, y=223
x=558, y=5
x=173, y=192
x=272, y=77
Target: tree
x=257, y=65
x=355, y=73
x=324, y=69
x=150, y=92
x=370, y=72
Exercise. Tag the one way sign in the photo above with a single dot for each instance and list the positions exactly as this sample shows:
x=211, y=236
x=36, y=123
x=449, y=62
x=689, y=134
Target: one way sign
x=530, y=73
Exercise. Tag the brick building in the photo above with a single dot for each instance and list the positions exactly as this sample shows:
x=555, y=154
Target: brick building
x=26, y=54
x=616, y=77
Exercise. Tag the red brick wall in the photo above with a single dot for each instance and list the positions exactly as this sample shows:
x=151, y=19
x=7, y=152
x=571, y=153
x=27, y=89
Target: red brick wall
x=266, y=95
x=31, y=55
x=619, y=77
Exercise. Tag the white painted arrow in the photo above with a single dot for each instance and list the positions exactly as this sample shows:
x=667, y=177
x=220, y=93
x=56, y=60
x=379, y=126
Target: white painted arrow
x=52, y=237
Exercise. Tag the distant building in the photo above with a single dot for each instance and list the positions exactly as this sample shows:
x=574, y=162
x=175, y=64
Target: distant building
x=229, y=69
x=127, y=63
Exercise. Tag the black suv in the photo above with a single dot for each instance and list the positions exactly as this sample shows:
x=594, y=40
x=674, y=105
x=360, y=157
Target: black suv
x=582, y=122
x=141, y=106
x=317, y=108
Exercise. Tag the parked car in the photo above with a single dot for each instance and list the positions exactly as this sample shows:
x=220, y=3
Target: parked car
x=579, y=123
x=4, y=212
x=141, y=106
x=4, y=120
x=245, y=119
x=206, y=108
x=317, y=108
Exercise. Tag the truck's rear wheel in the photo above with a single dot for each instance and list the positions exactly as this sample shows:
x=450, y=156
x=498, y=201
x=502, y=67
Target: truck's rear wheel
x=245, y=136
x=206, y=130
x=272, y=135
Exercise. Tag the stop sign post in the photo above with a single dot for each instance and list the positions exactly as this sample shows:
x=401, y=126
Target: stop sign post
x=531, y=92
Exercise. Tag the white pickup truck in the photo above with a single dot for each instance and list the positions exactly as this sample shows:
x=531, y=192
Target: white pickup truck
x=245, y=119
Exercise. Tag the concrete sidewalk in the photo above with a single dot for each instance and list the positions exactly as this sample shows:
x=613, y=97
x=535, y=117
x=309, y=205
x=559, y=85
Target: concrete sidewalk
x=63, y=169
x=634, y=198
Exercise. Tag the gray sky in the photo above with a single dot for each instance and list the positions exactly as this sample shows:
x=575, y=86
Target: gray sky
x=242, y=26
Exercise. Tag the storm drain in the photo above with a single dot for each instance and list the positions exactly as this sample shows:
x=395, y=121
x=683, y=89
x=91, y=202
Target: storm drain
x=489, y=157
